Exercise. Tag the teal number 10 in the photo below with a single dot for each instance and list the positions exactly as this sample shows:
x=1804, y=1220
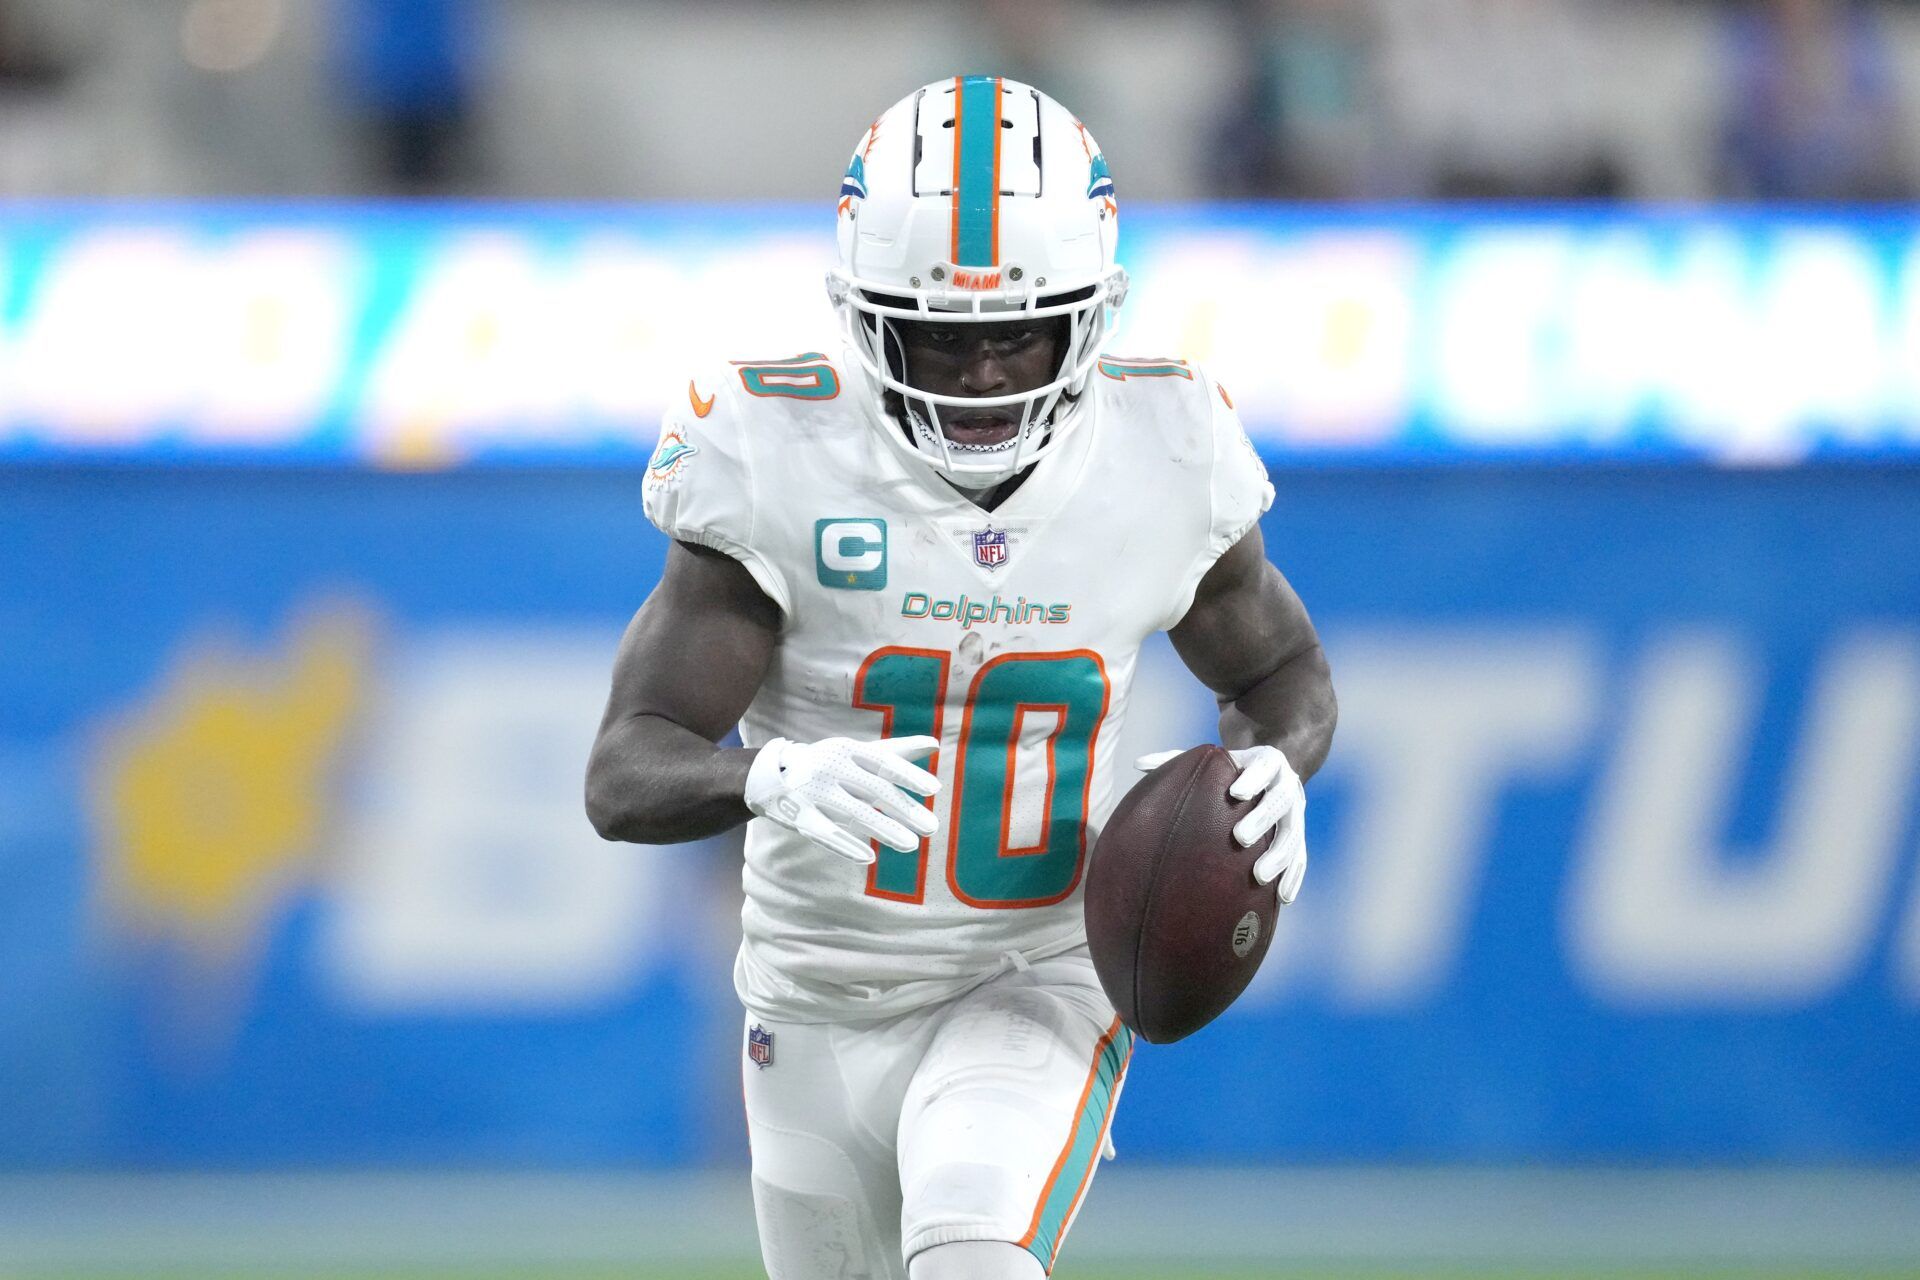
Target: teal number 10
x=984, y=866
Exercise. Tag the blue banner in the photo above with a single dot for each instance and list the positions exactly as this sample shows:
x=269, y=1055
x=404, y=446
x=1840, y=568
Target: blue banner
x=1614, y=859
x=421, y=337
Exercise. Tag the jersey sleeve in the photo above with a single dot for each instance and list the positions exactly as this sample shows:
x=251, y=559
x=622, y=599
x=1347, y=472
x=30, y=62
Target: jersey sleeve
x=701, y=486
x=1238, y=490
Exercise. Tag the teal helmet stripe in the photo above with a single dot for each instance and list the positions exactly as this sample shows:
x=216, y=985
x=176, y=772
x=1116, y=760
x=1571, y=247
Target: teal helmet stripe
x=976, y=171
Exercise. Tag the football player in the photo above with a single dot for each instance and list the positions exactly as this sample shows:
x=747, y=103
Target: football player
x=916, y=573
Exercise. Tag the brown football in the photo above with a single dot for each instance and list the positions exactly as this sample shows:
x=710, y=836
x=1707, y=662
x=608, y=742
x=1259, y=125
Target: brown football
x=1177, y=924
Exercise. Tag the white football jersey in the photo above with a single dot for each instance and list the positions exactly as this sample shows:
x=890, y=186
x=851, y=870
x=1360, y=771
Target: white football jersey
x=1011, y=636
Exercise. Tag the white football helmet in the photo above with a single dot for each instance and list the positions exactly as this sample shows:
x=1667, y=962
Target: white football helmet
x=980, y=200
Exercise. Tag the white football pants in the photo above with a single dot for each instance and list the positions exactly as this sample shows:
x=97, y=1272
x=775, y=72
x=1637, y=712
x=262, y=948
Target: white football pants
x=978, y=1119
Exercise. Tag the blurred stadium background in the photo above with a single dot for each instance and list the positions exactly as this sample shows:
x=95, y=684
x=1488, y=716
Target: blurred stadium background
x=1582, y=336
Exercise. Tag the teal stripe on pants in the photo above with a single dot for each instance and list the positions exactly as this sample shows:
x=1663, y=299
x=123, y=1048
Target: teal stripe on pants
x=1085, y=1149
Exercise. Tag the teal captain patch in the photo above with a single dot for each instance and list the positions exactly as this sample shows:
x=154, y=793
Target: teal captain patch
x=850, y=552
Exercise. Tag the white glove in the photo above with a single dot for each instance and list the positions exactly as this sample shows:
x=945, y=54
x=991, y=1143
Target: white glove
x=1282, y=812
x=840, y=793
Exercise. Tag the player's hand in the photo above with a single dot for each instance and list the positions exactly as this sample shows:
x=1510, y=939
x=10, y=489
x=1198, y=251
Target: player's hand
x=1281, y=813
x=841, y=794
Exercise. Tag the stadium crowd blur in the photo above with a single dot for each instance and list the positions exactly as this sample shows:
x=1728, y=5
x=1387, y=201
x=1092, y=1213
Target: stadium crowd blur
x=1294, y=99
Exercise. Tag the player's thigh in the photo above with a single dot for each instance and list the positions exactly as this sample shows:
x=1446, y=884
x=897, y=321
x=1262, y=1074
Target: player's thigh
x=1007, y=1115
x=826, y=1190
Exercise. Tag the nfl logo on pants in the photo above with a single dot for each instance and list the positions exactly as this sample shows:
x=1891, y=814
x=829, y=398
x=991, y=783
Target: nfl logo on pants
x=760, y=1046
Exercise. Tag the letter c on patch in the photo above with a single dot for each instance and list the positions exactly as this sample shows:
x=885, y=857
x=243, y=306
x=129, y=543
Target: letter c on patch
x=852, y=546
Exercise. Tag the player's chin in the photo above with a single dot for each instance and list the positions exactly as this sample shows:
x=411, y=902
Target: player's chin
x=980, y=429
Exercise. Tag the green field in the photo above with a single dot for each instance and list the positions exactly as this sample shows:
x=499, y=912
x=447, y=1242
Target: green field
x=1166, y=1223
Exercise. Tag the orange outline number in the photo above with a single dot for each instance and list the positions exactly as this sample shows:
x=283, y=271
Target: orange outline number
x=904, y=686
x=985, y=869
x=803, y=377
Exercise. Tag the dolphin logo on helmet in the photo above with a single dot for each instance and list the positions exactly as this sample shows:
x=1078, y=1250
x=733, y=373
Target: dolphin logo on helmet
x=854, y=185
x=1100, y=184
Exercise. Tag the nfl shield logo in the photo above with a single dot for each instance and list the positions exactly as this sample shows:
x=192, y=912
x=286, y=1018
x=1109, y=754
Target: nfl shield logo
x=760, y=1046
x=990, y=547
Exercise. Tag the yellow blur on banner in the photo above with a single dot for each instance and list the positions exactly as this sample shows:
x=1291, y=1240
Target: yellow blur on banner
x=209, y=794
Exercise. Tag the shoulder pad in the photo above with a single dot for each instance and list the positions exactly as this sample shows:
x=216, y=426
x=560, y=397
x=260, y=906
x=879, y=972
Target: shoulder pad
x=702, y=484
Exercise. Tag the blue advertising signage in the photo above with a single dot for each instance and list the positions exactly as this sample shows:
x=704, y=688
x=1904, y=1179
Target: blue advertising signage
x=1615, y=858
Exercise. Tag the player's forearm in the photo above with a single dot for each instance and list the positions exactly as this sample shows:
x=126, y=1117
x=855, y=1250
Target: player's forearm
x=1292, y=709
x=652, y=781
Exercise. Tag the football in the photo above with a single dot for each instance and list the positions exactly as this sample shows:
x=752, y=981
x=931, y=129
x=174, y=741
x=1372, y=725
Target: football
x=1176, y=922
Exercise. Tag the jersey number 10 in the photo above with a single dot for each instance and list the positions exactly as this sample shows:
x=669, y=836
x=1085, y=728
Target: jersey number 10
x=985, y=868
